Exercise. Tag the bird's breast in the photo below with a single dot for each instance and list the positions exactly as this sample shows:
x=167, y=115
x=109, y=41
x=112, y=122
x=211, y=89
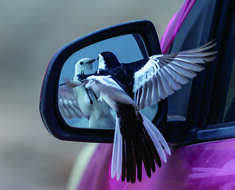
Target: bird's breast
x=83, y=100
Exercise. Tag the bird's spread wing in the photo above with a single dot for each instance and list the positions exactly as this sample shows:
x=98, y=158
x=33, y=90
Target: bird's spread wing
x=162, y=75
x=109, y=90
x=67, y=102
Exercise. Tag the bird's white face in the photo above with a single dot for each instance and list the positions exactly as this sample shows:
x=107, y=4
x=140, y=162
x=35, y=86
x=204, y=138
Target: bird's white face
x=85, y=66
x=101, y=61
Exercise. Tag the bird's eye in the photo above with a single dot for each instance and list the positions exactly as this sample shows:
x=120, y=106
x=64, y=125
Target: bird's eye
x=81, y=63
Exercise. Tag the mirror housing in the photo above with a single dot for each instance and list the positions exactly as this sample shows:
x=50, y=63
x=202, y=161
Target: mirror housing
x=49, y=109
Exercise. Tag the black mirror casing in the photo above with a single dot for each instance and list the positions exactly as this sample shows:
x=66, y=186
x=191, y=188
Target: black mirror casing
x=49, y=110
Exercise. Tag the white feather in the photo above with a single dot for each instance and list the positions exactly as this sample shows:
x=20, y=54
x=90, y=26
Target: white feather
x=188, y=66
x=172, y=83
x=196, y=54
x=68, y=108
x=158, y=140
x=193, y=60
x=119, y=154
x=114, y=153
x=64, y=109
x=142, y=98
x=158, y=134
x=161, y=90
x=145, y=73
x=105, y=80
x=182, y=72
x=169, y=72
x=149, y=92
x=177, y=77
x=154, y=96
x=116, y=164
x=155, y=92
x=136, y=97
x=203, y=48
x=102, y=64
x=165, y=84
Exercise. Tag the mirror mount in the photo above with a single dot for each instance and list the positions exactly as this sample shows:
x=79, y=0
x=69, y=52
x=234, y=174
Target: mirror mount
x=49, y=108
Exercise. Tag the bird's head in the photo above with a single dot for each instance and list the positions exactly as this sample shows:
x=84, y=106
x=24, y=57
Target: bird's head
x=84, y=67
x=108, y=60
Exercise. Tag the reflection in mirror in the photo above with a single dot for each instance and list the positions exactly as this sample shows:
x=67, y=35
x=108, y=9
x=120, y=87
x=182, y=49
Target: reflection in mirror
x=80, y=107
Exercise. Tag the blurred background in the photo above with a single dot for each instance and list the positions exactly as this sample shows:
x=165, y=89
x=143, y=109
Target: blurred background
x=30, y=33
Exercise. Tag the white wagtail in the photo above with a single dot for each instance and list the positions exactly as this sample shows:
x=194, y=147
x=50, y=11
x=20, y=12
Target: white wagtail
x=128, y=88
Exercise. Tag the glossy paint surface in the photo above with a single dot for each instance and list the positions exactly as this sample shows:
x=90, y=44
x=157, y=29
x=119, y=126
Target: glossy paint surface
x=209, y=165
x=174, y=25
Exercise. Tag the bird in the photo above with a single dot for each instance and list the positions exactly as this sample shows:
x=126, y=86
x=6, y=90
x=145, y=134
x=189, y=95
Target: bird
x=75, y=101
x=130, y=87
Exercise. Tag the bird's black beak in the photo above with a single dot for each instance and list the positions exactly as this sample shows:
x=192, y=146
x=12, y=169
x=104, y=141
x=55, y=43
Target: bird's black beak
x=97, y=59
x=91, y=61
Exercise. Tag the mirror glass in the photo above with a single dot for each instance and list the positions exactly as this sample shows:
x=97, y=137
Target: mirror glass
x=77, y=105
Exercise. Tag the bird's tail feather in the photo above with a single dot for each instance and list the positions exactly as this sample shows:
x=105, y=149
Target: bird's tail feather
x=149, y=147
x=116, y=165
x=157, y=138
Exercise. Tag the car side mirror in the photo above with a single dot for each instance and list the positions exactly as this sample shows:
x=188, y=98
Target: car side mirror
x=66, y=112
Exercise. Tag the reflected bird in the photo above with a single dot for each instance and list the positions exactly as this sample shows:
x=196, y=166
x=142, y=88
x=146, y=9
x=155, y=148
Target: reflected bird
x=128, y=88
x=76, y=101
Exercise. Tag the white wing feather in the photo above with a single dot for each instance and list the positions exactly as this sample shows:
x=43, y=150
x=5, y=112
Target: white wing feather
x=67, y=102
x=164, y=74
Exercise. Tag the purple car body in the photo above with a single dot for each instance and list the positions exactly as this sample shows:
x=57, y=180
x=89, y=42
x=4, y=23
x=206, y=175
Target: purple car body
x=209, y=165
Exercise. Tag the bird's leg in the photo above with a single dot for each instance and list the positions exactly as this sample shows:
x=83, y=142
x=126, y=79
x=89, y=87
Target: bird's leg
x=89, y=95
x=94, y=95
